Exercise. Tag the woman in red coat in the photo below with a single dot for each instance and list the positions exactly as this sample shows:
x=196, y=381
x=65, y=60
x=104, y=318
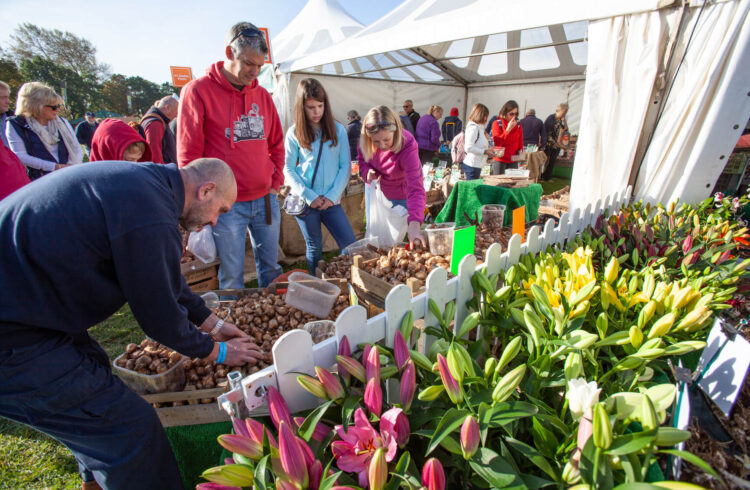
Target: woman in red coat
x=508, y=134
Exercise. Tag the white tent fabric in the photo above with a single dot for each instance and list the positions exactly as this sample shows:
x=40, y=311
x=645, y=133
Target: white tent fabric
x=708, y=98
x=706, y=111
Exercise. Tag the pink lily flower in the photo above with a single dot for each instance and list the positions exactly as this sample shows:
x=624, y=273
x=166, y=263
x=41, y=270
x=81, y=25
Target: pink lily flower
x=278, y=408
x=585, y=431
x=331, y=383
x=358, y=445
x=408, y=384
x=293, y=459
x=400, y=350
x=372, y=364
x=433, y=476
x=396, y=422
x=449, y=382
x=374, y=396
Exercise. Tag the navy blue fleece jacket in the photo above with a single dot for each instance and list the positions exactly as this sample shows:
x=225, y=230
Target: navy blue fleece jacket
x=81, y=242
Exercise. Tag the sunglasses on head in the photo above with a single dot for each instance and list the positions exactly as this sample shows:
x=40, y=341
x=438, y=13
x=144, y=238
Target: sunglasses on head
x=375, y=127
x=249, y=32
x=54, y=107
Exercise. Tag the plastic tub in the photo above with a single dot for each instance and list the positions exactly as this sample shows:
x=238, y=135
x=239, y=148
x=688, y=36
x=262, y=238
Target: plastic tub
x=173, y=379
x=440, y=238
x=310, y=294
x=320, y=330
x=493, y=215
x=360, y=246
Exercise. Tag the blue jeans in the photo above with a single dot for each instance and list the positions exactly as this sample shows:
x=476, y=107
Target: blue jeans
x=115, y=436
x=471, y=173
x=229, y=235
x=338, y=225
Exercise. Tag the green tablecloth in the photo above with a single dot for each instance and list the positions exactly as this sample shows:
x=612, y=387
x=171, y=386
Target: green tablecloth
x=469, y=196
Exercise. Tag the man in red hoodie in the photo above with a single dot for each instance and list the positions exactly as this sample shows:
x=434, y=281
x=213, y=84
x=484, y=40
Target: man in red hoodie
x=226, y=114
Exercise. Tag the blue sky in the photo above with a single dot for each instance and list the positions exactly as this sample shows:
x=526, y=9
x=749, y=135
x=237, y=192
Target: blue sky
x=145, y=37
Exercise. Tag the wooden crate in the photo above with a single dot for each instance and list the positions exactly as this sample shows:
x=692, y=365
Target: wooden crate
x=371, y=288
x=201, y=277
x=194, y=413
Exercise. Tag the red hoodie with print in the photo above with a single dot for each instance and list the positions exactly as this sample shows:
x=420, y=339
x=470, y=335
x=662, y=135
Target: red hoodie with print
x=112, y=137
x=240, y=127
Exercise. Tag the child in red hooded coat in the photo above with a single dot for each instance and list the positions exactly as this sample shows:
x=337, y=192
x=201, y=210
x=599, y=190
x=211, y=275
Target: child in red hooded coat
x=115, y=140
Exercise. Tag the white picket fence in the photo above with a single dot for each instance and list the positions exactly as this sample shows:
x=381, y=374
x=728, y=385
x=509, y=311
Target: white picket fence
x=295, y=353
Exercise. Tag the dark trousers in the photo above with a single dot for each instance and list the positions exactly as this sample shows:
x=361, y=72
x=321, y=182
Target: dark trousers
x=471, y=173
x=551, y=158
x=338, y=226
x=427, y=156
x=64, y=386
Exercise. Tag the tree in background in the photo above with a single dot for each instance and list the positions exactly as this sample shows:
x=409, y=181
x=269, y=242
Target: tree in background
x=61, y=48
x=9, y=74
x=80, y=92
x=144, y=93
x=114, y=94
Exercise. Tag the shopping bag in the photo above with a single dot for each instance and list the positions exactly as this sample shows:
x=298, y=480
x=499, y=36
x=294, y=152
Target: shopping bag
x=201, y=244
x=386, y=222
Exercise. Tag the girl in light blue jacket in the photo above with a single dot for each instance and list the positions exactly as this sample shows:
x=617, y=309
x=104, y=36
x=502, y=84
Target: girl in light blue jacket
x=317, y=140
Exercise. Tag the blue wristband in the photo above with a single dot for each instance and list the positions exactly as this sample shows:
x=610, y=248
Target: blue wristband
x=222, y=353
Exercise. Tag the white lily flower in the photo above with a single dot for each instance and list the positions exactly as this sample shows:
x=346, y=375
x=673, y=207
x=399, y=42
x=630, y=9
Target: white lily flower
x=581, y=396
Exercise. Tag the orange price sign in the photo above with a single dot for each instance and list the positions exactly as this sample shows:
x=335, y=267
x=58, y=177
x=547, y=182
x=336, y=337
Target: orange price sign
x=519, y=222
x=264, y=30
x=181, y=75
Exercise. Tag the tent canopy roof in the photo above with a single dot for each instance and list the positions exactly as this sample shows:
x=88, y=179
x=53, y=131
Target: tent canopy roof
x=441, y=42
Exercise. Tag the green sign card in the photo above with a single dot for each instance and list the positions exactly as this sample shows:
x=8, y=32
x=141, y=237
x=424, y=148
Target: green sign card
x=463, y=245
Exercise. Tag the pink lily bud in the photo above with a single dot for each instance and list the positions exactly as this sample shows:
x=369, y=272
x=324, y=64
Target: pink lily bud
x=687, y=244
x=449, y=382
x=408, y=384
x=724, y=257
x=344, y=350
x=292, y=457
x=395, y=423
x=372, y=364
x=240, y=427
x=312, y=385
x=400, y=350
x=306, y=451
x=254, y=430
x=469, y=437
x=374, y=397
x=242, y=445
x=352, y=366
x=433, y=476
x=330, y=383
x=316, y=475
x=229, y=461
x=320, y=432
x=214, y=486
x=377, y=472
x=282, y=484
x=277, y=408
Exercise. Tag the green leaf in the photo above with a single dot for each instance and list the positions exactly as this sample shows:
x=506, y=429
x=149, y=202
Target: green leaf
x=638, y=486
x=507, y=412
x=451, y=445
x=493, y=468
x=407, y=324
x=449, y=313
x=330, y=482
x=435, y=310
x=399, y=471
x=485, y=416
x=533, y=482
x=347, y=410
x=260, y=473
x=451, y=421
x=631, y=443
x=311, y=421
x=587, y=464
x=532, y=455
x=544, y=439
x=692, y=459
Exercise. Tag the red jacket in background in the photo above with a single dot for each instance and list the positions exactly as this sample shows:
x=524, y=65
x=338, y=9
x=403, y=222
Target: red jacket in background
x=111, y=139
x=12, y=172
x=240, y=127
x=512, y=142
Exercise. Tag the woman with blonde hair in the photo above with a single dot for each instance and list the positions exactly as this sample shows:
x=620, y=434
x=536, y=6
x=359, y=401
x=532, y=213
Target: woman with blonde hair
x=428, y=134
x=388, y=153
x=43, y=140
x=317, y=169
x=476, y=145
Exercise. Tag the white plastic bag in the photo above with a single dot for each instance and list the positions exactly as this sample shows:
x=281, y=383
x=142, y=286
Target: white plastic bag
x=386, y=222
x=202, y=245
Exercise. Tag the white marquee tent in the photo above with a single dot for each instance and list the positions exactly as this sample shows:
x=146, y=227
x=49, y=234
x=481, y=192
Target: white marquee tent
x=646, y=79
